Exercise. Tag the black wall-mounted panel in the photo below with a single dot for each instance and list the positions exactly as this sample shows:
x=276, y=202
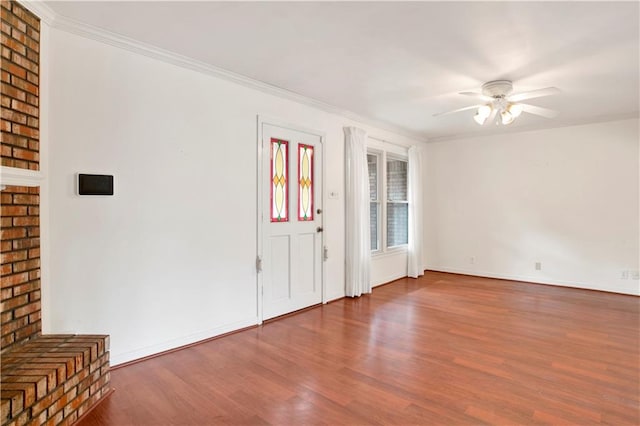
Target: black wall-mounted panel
x=95, y=184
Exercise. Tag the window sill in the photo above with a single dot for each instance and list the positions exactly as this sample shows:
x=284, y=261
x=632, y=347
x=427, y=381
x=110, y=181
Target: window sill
x=393, y=251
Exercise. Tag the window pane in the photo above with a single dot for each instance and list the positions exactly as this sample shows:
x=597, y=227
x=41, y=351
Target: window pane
x=305, y=182
x=397, y=224
x=396, y=180
x=279, y=181
x=373, y=224
x=372, y=162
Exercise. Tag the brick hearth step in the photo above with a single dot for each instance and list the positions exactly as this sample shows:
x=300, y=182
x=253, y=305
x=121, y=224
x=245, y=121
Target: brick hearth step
x=53, y=379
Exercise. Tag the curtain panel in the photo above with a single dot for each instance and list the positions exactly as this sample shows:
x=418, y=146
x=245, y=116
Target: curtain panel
x=415, y=265
x=358, y=240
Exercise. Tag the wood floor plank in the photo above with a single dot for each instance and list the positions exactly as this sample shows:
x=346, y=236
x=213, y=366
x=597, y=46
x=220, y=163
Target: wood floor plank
x=443, y=349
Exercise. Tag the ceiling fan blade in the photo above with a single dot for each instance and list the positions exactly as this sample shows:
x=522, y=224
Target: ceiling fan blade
x=478, y=95
x=456, y=110
x=544, y=112
x=492, y=117
x=534, y=94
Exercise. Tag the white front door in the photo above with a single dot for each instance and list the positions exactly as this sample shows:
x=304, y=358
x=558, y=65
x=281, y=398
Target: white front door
x=291, y=225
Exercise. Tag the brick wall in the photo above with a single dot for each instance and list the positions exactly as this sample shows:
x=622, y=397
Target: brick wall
x=19, y=94
x=20, y=265
x=19, y=148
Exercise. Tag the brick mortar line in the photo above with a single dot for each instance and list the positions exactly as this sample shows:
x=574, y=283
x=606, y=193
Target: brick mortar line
x=20, y=295
x=12, y=61
x=26, y=282
x=20, y=159
x=26, y=149
x=20, y=100
x=26, y=315
x=21, y=240
x=26, y=47
x=36, y=73
x=18, y=111
x=20, y=78
x=20, y=124
x=30, y=336
x=10, y=36
x=12, y=145
x=22, y=56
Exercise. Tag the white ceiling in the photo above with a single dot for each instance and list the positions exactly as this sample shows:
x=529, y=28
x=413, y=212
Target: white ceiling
x=401, y=62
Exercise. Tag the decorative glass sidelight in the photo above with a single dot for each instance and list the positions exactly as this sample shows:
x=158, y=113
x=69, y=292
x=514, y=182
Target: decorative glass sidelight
x=305, y=182
x=279, y=180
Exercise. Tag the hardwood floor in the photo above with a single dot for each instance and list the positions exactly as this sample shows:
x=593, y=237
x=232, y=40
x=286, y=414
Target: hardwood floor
x=443, y=349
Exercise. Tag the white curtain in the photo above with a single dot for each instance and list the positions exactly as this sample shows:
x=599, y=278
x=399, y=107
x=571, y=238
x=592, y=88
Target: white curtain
x=415, y=267
x=358, y=244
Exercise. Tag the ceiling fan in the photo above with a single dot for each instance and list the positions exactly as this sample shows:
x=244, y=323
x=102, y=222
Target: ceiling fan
x=499, y=100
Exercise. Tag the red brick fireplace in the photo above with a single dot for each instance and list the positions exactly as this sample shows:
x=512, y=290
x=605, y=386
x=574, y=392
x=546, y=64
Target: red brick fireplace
x=50, y=379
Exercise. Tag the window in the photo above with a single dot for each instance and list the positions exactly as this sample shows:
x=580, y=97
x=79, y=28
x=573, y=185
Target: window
x=397, y=204
x=374, y=204
x=389, y=207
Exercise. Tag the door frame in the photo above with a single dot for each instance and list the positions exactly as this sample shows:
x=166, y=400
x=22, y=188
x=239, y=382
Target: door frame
x=261, y=121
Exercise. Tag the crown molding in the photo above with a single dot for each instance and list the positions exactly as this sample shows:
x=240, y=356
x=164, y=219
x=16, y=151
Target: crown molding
x=40, y=9
x=82, y=29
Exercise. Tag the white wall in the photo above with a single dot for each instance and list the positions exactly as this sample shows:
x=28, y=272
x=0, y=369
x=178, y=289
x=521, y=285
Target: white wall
x=170, y=258
x=565, y=197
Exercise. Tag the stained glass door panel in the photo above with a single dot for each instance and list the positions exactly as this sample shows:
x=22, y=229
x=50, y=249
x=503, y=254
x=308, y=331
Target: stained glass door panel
x=279, y=180
x=305, y=182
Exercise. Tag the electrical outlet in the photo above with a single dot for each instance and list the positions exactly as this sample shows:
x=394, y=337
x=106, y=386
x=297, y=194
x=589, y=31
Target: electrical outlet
x=472, y=260
x=624, y=275
x=538, y=266
x=635, y=275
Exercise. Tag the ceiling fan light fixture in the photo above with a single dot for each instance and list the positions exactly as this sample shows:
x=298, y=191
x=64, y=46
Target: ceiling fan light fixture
x=515, y=110
x=507, y=117
x=484, y=111
x=480, y=119
x=501, y=106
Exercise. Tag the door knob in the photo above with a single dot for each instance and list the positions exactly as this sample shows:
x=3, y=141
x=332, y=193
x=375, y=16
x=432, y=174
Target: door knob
x=319, y=229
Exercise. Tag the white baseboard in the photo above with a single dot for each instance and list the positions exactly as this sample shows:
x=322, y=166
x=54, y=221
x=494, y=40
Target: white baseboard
x=120, y=358
x=388, y=278
x=536, y=280
x=333, y=297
